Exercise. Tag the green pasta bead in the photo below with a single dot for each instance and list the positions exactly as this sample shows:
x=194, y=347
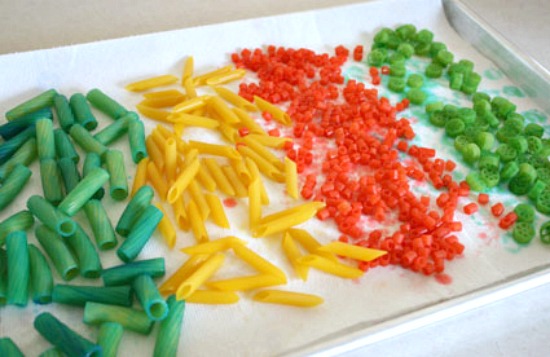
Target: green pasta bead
x=41, y=101
x=3, y=277
x=471, y=83
x=86, y=254
x=382, y=36
x=396, y=84
x=9, y=349
x=416, y=96
x=505, y=133
x=444, y=58
x=82, y=113
x=64, y=112
x=456, y=81
x=108, y=337
x=169, y=332
x=64, y=147
x=140, y=234
x=422, y=49
x=533, y=129
x=113, y=131
x=62, y=337
x=506, y=153
x=438, y=118
x=12, y=128
x=523, y=232
x=488, y=159
x=139, y=202
x=436, y=47
x=543, y=174
x=80, y=295
x=398, y=70
x=126, y=273
x=10, y=147
x=490, y=176
x=434, y=70
x=485, y=140
x=93, y=161
x=481, y=96
x=131, y=319
x=406, y=32
x=50, y=216
x=86, y=141
x=460, y=143
x=50, y=176
x=397, y=58
x=376, y=58
x=406, y=49
x=534, y=144
x=149, y=297
x=40, y=276
x=509, y=170
x=69, y=173
x=516, y=123
x=19, y=221
x=118, y=181
x=136, y=137
x=25, y=155
x=105, y=104
x=59, y=253
x=13, y=184
x=454, y=127
x=44, y=139
x=536, y=190
x=502, y=107
x=83, y=192
x=17, y=252
x=424, y=36
x=415, y=81
x=52, y=352
x=434, y=106
x=475, y=182
x=519, y=144
x=525, y=212
x=101, y=225
x=543, y=201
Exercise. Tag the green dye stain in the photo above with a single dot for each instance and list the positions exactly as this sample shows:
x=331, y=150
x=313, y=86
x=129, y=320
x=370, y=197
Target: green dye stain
x=492, y=74
x=513, y=91
x=535, y=115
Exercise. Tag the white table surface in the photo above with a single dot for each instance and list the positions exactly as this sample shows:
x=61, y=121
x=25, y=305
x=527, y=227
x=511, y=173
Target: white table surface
x=515, y=326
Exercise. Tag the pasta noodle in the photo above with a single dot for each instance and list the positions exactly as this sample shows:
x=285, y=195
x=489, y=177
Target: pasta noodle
x=196, y=222
x=226, y=115
x=330, y=267
x=309, y=243
x=201, y=80
x=170, y=159
x=254, y=203
x=214, y=149
x=277, y=113
x=276, y=142
x=263, y=152
x=171, y=284
x=292, y=253
x=285, y=219
x=217, y=211
x=194, y=120
x=235, y=99
x=236, y=183
x=214, y=246
x=244, y=283
x=288, y=298
x=226, y=77
x=155, y=153
x=191, y=104
x=213, y=297
x=291, y=175
x=257, y=262
x=151, y=83
x=199, y=276
x=188, y=69
x=255, y=173
x=198, y=197
x=248, y=122
x=189, y=88
x=217, y=174
x=263, y=165
x=183, y=180
x=352, y=251
x=156, y=179
x=166, y=228
x=153, y=113
x=181, y=215
x=240, y=169
x=205, y=179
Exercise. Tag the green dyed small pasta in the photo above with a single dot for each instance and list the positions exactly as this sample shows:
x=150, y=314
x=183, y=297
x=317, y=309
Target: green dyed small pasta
x=108, y=337
x=86, y=254
x=106, y=104
x=91, y=162
x=82, y=113
x=52, y=352
x=139, y=202
x=41, y=101
x=118, y=181
x=3, y=277
x=396, y=84
x=86, y=141
x=149, y=297
x=25, y=155
x=169, y=332
x=52, y=183
x=10, y=147
x=50, y=216
x=44, y=139
x=82, y=192
x=41, y=276
x=131, y=319
x=18, y=268
x=69, y=173
x=140, y=234
x=136, y=137
x=101, y=225
x=113, y=131
x=64, y=112
x=64, y=146
x=19, y=221
x=434, y=70
x=13, y=184
x=9, y=349
x=12, y=128
x=63, y=337
x=126, y=273
x=60, y=255
x=79, y=295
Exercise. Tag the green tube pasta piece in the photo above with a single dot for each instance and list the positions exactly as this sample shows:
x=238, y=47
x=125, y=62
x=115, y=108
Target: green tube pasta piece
x=63, y=337
x=169, y=332
x=60, y=255
x=64, y=146
x=85, y=189
x=140, y=234
x=50, y=175
x=108, y=337
x=52, y=352
x=79, y=295
x=113, y=131
x=91, y=162
x=13, y=184
x=9, y=349
x=44, y=139
x=101, y=225
x=126, y=273
x=139, y=202
x=9, y=147
x=85, y=253
x=136, y=137
x=18, y=268
x=86, y=141
x=82, y=113
x=106, y=104
x=19, y=221
x=50, y=216
x=131, y=319
x=41, y=276
x=149, y=297
x=41, y=101
x=3, y=277
x=118, y=181
x=64, y=112
x=25, y=155
x=12, y=128
x=69, y=173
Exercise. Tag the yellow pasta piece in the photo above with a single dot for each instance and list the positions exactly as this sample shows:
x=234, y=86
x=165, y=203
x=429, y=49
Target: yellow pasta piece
x=196, y=222
x=182, y=145
x=229, y=132
x=162, y=94
x=214, y=246
x=205, y=179
x=171, y=284
x=263, y=165
x=352, y=251
x=276, y=142
x=212, y=297
x=235, y=99
x=247, y=121
x=217, y=174
x=245, y=283
x=291, y=175
x=330, y=267
x=140, y=178
x=191, y=104
x=170, y=159
x=180, y=214
x=168, y=100
x=283, y=220
x=188, y=69
x=215, y=149
x=227, y=77
x=180, y=185
x=198, y=197
x=242, y=171
x=307, y=241
x=166, y=228
x=153, y=113
x=293, y=253
x=254, y=203
x=199, y=276
x=194, y=120
x=165, y=132
x=150, y=83
x=217, y=211
x=159, y=140
x=225, y=114
x=235, y=180
x=189, y=88
x=156, y=179
x=179, y=128
x=287, y=298
x=254, y=172
x=201, y=80
x=190, y=156
x=257, y=262
x=277, y=113
x=263, y=152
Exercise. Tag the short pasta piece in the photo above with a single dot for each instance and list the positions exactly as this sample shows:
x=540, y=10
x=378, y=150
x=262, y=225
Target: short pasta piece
x=278, y=114
x=191, y=104
x=150, y=83
x=214, y=246
x=217, y=212
x=234, y=179
x=217, y=174
x=245, y=283
x=227, y=77
x=235, y=99
x=330, y=267
x=201, y=80
x=352, y=251
x=166, y=228
x=214, y=149
x=213, y=297
x=291, y=175
x=225, y=114
x=292, y=253
x=287, y=298
x=199, y=276
x=171, y=284
x=283, y=220
x=257, y=262
x=196, y=222
x=197, y=195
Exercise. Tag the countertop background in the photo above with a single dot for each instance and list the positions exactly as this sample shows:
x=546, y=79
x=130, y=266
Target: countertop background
x=514, y=326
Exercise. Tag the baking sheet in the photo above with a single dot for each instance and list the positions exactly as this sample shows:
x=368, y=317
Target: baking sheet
x=384, y=297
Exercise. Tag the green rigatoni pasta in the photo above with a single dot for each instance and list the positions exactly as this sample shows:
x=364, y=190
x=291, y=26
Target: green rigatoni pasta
x=93, y=161
x=86, y=141
x=12, y=128
x=13, y=184
x=113, y=131
x=41, y=101
x=52, y=183
x=136, y=137
x=85, y=253
x=3, y=277
x=44, y=139
x=131, y=319
x=25, y=155
x=108, y=337
x=64, y=147
x=118, y=180
x=82, y=192
x=18, y=268
x=101, y=225
x=80, y=295
x=140, y=234
x=41, y=276
x=169, y=332
x=52, y=352
x=139, y=202
x=50, y=216
x=126, y=273
x=9, y=349
x=149, y=297
x=64, y=112
x=82, y=113
x=60, y=255
x=19, y=221
x=69, y=173
x=106, y=104
x=9, y=147
x=63, y=337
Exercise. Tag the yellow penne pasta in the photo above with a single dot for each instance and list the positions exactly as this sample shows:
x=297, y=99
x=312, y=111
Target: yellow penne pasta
x=229, y=132
x=140, y=178
x=191, y=156
x=164, y=131
x=215, y=149
x=199, y=276
x=171, y=98
x=254, y=203
x=276, y=142
x=310, y=244
x=225, y=114
x=226, y=77
x=283, y=220
x=216, y=210
x=156, y=179
x=182, y=145
x=196, y=223
x=277, y=113
x=188, y=69
x=150, y=83
x=245, y=283
x=235, y=99
x=352, y=251
x=180, y=214
x=217, y=174
x=287, y=298
x=263, y=165
x=254, y=172
x=235, y=180
x=170, y=159
x=166, y=228
x=198, y=197
x=189, y=88
x=179, y=128
x=248, y=122
x=205, y=179
x=201, y=80
x=257, y=262
x=214, y=246
x=185, y=177
x=291, y=175
x=153, y=113
x=312, y=206
x=263, y=152
x=242, y=171
x=168, y=93
x=293, y=253
x=330, y=267
x=194, y=120
x=191, y=104
x=212, y=297
x=159, y=140
x=171, y=284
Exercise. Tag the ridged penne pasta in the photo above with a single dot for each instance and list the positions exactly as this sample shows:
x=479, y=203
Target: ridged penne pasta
x=217, y=213
x=225, y=114
x=283, y=220
x=170, y=159
x=162, y=102
x=194, y=120
x=155, y=153
x=163, y=94
x=263, y=152
x=291, y=175
x=201, y=79
x=293, y=253
x=254, y=203
x=226, y=77
x=189, y=88
x=171, y=284
x=188, y=69
x=287, y=298
x=205, y=179
x=229, y=133
x=352, y=251
x=180, y=214
x=330, y=267
x=215, y=149
x=166, y=228
x=153, y=113
x=198, y=197
x=263, y=165
x=196, y=222
x=254, y=172
x=257, y=262
x=213, y=297
x=242, y=171
x=140, y=178
x=185, y=177
x=235, y=99
x=199, y=276
x=247, y=121
x=191, y=104
x=310, y=244
x=214, y=246
x=245, y=283
x=217, y=174
x=150, y=83
x=276, y=142
x=157, y=180
x=277, y=113
x=235, y=180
